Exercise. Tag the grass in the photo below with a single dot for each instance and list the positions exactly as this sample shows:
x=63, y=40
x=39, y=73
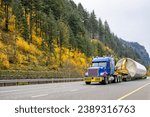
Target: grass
x=20, y=74
x=23, y=83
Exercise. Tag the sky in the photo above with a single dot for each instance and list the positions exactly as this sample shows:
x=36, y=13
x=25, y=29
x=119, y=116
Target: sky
x=128, y=19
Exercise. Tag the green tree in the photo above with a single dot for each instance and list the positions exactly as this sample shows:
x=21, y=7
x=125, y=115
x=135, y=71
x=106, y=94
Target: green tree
x=21, y=21
x=107, y=32
x=84, y=16
x=29, y=9
x=100, y=29
x=93, y=25
x=2, y=3
x=63, y=37
x=50, y=30
x=56, y=6
x=6, y=4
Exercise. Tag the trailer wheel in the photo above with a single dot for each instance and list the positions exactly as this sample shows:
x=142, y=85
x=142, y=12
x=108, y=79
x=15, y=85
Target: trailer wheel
x=109, y=81
x=128, y=79
x=105, y=81
x=120, y=79
x=116, y=79
x=88, y=83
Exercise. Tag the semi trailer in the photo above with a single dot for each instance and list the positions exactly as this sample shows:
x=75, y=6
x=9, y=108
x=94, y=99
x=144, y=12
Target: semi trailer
x=103, y=70
x=130, y=69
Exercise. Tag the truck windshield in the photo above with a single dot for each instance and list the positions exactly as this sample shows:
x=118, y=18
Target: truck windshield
x=100, y=64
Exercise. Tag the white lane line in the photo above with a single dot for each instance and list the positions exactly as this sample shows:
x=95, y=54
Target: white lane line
x=128, y=94
x=74, y=90
x=9, y=91
x=93, y=87
x=42, y=95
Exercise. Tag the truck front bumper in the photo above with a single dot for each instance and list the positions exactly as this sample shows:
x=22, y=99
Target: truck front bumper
x=93, y=79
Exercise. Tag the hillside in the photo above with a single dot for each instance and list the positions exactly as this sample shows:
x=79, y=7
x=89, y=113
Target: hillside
x=56, y=36
x=140, y=50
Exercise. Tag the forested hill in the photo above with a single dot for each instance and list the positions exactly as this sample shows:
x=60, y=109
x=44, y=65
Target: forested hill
x=53, y=34
x=140, y=50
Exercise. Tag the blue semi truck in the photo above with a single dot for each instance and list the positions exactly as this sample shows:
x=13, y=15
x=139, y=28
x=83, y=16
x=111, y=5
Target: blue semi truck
x=102, y=71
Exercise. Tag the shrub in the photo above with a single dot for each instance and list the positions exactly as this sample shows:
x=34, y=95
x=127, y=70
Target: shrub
x=22, y=44
x=20, y=58
x=33, y=59
x=1, y=45
x=36, y=40
x=12, y=23
x=3, y=57
x=33, y=50
x=4, y=63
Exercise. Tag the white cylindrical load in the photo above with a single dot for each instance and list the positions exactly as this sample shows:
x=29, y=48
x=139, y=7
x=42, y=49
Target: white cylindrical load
x=134, y=68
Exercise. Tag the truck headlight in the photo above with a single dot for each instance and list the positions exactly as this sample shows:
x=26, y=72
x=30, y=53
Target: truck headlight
x=86, y=74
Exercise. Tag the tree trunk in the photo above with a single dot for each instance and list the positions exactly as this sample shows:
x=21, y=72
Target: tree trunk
x=60, y=45
x=31, y=24
x=50, y=40
x=40, y=28
x=93, y=35
x=6, y=16
x=36, y=26
x=2, y=3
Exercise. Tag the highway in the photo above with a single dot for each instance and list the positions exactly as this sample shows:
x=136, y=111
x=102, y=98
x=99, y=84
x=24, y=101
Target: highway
x=132, y=90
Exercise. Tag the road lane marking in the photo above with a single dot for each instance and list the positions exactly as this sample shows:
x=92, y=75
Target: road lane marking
x=133, y=92
x=42, y=95
x=9, y=91
x=74, y=90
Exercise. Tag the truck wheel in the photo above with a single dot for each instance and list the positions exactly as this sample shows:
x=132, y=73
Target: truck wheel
x=120, y=79
x=105, y=81
x=109, y=81
x=126, y=79
x=116, y=80
x=87, y=83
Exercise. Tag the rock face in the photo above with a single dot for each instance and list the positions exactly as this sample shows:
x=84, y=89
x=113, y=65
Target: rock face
x=140, y=50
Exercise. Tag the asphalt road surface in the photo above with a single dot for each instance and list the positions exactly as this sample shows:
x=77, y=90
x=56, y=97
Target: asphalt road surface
x=132, y=90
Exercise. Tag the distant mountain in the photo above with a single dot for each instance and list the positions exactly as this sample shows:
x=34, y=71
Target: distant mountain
x=140, y=50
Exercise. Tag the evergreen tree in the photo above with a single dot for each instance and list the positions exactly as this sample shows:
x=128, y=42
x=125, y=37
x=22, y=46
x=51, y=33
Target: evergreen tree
x=21, y=21
x=100, y=30
x=2, y=3
x=29, y=9
x=106, y=31
x=6, y=4
x=84, y=16
x=93, y=25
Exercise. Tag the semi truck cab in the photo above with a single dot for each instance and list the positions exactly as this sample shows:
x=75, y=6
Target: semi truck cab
x=102, y=70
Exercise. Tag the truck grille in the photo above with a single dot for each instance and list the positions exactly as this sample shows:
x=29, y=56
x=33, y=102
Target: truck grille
x=92, y=72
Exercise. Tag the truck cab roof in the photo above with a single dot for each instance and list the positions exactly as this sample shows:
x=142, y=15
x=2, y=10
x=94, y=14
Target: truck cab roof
x=101, y=59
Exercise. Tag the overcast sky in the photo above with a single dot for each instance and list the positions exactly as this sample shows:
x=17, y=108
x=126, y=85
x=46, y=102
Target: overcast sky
x=128, y=19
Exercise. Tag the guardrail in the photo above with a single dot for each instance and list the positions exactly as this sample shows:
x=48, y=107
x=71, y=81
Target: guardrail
x=36, y=81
